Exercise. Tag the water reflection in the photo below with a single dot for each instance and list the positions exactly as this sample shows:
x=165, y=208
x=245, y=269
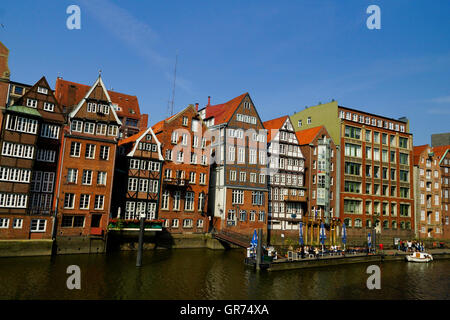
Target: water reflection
x=207, y=274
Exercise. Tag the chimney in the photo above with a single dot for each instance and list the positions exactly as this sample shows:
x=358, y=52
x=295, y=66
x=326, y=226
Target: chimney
x=209, y=100
x=196, y=107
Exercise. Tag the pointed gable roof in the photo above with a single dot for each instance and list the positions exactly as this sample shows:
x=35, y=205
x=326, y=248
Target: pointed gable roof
x=157, y=128
x=136, y=138
x=417, y=151
x=307, y=136
x=274, y=125
x=223, y=112
x=99, y=81
x=33, y=93
x=441, y=151
x=70, y=93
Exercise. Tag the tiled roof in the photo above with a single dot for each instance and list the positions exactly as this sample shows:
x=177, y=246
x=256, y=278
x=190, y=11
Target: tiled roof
x=222, y=112
x=274, y=125
x=25, y=110
x=307, y=136
x=417, y=151
x=70, y=93
x=132, y=138
x=440, y=150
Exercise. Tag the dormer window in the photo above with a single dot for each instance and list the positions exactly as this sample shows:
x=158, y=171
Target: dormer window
x=31, y=103
x=49, y=106
x=42, y=90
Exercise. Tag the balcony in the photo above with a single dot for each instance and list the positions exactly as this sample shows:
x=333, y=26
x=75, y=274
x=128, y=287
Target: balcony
x=176, y=182
x=40, y=212
x=291, y=198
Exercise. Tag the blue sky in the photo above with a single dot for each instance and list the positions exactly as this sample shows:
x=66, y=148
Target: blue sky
x=286, y=54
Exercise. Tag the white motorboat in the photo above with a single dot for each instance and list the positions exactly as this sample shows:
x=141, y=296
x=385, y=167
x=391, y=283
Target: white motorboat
x=419, y=257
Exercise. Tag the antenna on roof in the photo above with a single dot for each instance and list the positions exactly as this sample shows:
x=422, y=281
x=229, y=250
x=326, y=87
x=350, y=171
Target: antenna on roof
x=99, y=73
x=174, y=80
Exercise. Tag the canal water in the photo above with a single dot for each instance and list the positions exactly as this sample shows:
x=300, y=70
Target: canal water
x=208, y=274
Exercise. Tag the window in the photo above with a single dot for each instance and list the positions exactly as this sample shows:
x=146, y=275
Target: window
x=69, y=201
x=16, y=123
x=76, y=125
x=403, y=158
x=4, y=223
x=187, y=223
x=50, y=131
x=237, y=197
x=89, y=127
x=257, y=198
x=132, y=184
x=90, y=151
x=352, y=168
x=232, y=175
x=72, y=175
x=299, y=123
x=241, y=155
x=84, y=201
x=308, y=120
x=165, y=200
x=31, y=103
x=403, y=142
x=75, y=148
x=242, y=176
x=98, y=203
x=352, y=150
x=45, y=155
x=202, y=178
x=101, y=178
x=185, y=121
x=201, y=202
x=104, y=152
x=87, y=177
x=189, y=201
x=192, y=176
x=17, y=223
x=17, y=150
x=352, y=132
x=38, y=225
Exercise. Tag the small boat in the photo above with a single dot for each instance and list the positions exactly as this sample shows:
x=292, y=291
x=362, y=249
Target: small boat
x=419, y=257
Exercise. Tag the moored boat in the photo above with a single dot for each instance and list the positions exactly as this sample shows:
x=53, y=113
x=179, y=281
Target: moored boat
x=419, y=257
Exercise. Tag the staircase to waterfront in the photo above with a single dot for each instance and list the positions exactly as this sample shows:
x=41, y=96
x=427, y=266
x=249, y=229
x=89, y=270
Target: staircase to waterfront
x=232, y=238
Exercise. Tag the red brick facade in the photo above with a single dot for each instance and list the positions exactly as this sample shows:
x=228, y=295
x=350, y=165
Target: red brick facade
x=185, y=172
x=376, y=173
x=87, y=165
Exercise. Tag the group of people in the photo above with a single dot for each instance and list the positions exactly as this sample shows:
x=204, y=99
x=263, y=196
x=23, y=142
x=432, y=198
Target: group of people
x=410, y=246
x=305, y=251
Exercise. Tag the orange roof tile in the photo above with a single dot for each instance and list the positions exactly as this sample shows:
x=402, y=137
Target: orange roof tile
x=440, y=150
x=223, y=112
x=69, y=93
x=417, y=151
x=132, y=138
x=274, y=125
x=307, y=136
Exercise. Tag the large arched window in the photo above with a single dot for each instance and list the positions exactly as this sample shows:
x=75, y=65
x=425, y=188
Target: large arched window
x=402, y=225
x=385, y=224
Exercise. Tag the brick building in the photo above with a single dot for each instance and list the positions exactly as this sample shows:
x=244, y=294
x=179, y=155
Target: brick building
x=443, y=157
x=86, y=168
x=374, y=165
x=126, y=106
x=320, y=153
x=185, y=172
x=287, y=192
x=238, y=188
x=30, y=147
x=137, y=177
